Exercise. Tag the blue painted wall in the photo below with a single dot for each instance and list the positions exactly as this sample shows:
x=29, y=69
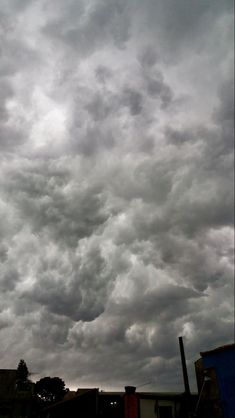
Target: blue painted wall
x=224, y=364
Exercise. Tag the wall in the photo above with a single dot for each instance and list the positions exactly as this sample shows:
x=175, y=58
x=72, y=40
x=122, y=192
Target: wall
x=224, y=364
x=150, y=408
x=147, y=408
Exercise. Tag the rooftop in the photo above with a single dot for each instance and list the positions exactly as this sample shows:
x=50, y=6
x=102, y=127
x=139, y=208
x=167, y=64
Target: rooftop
x=218, y=350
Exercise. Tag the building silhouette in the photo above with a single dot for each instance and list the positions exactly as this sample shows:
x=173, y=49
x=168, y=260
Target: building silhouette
x=215, y=373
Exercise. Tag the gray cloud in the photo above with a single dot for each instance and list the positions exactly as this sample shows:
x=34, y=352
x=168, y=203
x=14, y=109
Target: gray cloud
x=116, y=175
x=82, y=285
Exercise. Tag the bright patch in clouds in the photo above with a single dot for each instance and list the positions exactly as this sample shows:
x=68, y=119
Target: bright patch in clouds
x=49, y=121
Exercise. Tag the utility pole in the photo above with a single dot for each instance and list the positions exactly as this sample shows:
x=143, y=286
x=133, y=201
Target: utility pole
x=185, y=377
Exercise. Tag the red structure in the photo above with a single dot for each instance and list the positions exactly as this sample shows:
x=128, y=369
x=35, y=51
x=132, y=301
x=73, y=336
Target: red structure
x=131, y=403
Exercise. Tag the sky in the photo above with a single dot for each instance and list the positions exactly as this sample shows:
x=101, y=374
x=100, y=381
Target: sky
x=116, y=188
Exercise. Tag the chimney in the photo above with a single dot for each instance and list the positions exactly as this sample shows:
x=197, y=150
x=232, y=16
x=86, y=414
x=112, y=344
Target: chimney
x=131, y=404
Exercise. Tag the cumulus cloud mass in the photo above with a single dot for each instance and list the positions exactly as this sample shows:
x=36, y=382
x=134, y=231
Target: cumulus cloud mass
x=116, y=187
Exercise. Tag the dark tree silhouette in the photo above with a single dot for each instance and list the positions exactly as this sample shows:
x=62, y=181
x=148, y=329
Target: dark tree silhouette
x=22, y=377
x=22, y=372
x=50, y=389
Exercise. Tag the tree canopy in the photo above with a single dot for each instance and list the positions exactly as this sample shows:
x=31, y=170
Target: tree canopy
x=50, y=389
x=22, y=372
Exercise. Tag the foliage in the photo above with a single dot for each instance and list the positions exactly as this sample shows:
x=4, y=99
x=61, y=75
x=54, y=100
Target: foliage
x=50, y=389
x=22, y=372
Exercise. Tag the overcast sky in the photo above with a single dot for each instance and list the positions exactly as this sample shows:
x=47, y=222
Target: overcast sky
x=116, y=187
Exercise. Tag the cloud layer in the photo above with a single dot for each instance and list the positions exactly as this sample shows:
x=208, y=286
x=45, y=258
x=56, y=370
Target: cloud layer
x=116, y=179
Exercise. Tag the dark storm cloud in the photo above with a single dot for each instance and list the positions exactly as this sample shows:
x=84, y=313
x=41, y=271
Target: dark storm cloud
x=175, y=26
x=86, y=27
x=9, y=279
x=83, y=294
x=107, y=105
x=133, y=101
x=49, y=200
x=116, y=203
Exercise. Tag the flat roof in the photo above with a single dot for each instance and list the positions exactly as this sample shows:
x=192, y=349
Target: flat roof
x=218, y=350
x=146, y=394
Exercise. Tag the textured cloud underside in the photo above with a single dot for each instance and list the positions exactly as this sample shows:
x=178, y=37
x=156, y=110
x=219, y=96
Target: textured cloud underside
x=116, y=179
